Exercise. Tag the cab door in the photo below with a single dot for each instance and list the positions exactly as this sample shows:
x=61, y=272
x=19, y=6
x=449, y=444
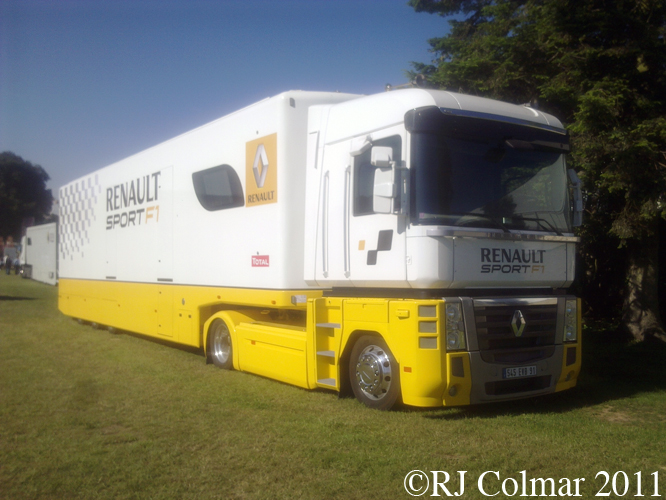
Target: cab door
x=376, y=241
x=332, y=237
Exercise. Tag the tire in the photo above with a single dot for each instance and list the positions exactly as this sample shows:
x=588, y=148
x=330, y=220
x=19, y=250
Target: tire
x=374, y=373
x=220, y=350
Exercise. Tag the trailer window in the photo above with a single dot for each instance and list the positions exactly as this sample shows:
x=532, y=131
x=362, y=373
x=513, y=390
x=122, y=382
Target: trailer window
x=364, y=175
x=218, y=188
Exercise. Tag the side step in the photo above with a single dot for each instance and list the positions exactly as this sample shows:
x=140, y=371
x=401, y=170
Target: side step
x=327, y=382
x=327, y=337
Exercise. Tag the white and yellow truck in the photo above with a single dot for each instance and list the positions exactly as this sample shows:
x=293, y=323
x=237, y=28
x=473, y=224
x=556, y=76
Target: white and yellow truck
x=414, y=245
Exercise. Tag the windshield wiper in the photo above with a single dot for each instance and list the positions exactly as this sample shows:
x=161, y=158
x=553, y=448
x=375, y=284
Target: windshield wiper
x=542, y=222
x=497, y=223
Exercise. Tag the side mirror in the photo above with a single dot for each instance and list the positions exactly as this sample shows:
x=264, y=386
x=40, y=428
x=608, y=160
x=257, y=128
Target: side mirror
x=384, y=190
x=381, y=156
x=390, y=185
x=577, y=198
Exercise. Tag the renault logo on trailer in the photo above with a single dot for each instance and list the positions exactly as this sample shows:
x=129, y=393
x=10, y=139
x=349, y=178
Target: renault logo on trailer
x=518, y=323
x=260, y=178
x=261, y=167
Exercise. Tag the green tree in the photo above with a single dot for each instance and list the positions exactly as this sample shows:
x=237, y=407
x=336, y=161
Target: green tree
x=23, y=193
x=600, y=66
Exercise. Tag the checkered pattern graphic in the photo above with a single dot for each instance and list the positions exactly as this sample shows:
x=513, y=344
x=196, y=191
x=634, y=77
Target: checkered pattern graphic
x=77, y=213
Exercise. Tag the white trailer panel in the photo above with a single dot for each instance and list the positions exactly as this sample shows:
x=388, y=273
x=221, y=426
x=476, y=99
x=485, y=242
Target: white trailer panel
x=41, y=252
x=140, y=220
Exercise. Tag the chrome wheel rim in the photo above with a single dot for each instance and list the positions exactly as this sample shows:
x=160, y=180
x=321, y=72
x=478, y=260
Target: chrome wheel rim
x=373, y=372
x=221, y=343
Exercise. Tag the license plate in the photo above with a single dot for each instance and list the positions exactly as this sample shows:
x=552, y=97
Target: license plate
x=520, y=371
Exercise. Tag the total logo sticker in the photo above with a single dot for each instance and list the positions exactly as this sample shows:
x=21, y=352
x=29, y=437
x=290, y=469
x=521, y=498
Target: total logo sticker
x=261, y=261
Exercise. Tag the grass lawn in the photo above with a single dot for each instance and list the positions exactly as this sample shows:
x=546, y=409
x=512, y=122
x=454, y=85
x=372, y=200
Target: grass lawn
x=88, y=414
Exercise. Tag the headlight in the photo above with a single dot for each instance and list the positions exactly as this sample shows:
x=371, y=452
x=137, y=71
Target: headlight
x=453, y=341
x=571, y=321
x=453, y=312
x=455, y=327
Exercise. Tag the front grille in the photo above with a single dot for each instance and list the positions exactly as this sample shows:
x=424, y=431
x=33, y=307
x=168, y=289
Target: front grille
x=498, y=343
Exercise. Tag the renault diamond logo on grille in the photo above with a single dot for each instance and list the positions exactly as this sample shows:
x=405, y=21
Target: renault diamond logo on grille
x=518, y=323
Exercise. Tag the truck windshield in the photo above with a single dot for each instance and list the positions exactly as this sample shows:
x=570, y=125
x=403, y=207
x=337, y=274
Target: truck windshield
x=477, y=172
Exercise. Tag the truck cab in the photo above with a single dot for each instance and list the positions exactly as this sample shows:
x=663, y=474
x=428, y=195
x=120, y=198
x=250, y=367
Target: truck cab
x=465, y=203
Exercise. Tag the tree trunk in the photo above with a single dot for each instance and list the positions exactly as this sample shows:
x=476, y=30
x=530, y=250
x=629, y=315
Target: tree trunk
x=640, y=314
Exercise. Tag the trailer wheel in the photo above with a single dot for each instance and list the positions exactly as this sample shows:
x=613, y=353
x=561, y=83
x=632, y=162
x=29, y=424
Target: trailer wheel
x=219, y=345
x=373, y=373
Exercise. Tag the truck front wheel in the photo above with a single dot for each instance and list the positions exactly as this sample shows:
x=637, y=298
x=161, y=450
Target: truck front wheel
x=373, y=373
x=219, y=345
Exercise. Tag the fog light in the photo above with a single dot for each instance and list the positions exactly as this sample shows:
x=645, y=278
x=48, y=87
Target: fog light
x=453, y=390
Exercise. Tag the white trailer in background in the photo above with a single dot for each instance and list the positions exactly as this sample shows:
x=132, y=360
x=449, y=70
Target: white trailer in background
x=40, y=253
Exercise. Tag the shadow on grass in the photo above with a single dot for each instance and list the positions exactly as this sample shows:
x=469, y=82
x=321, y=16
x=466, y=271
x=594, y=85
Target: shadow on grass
x=165, y=341
x=10, y=298
x=612, y=369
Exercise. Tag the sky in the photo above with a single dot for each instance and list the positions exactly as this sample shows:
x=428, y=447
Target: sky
x=86, y=83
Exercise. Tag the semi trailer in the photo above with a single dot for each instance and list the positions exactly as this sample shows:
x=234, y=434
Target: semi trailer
x=413, y=246
x=40, y=253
